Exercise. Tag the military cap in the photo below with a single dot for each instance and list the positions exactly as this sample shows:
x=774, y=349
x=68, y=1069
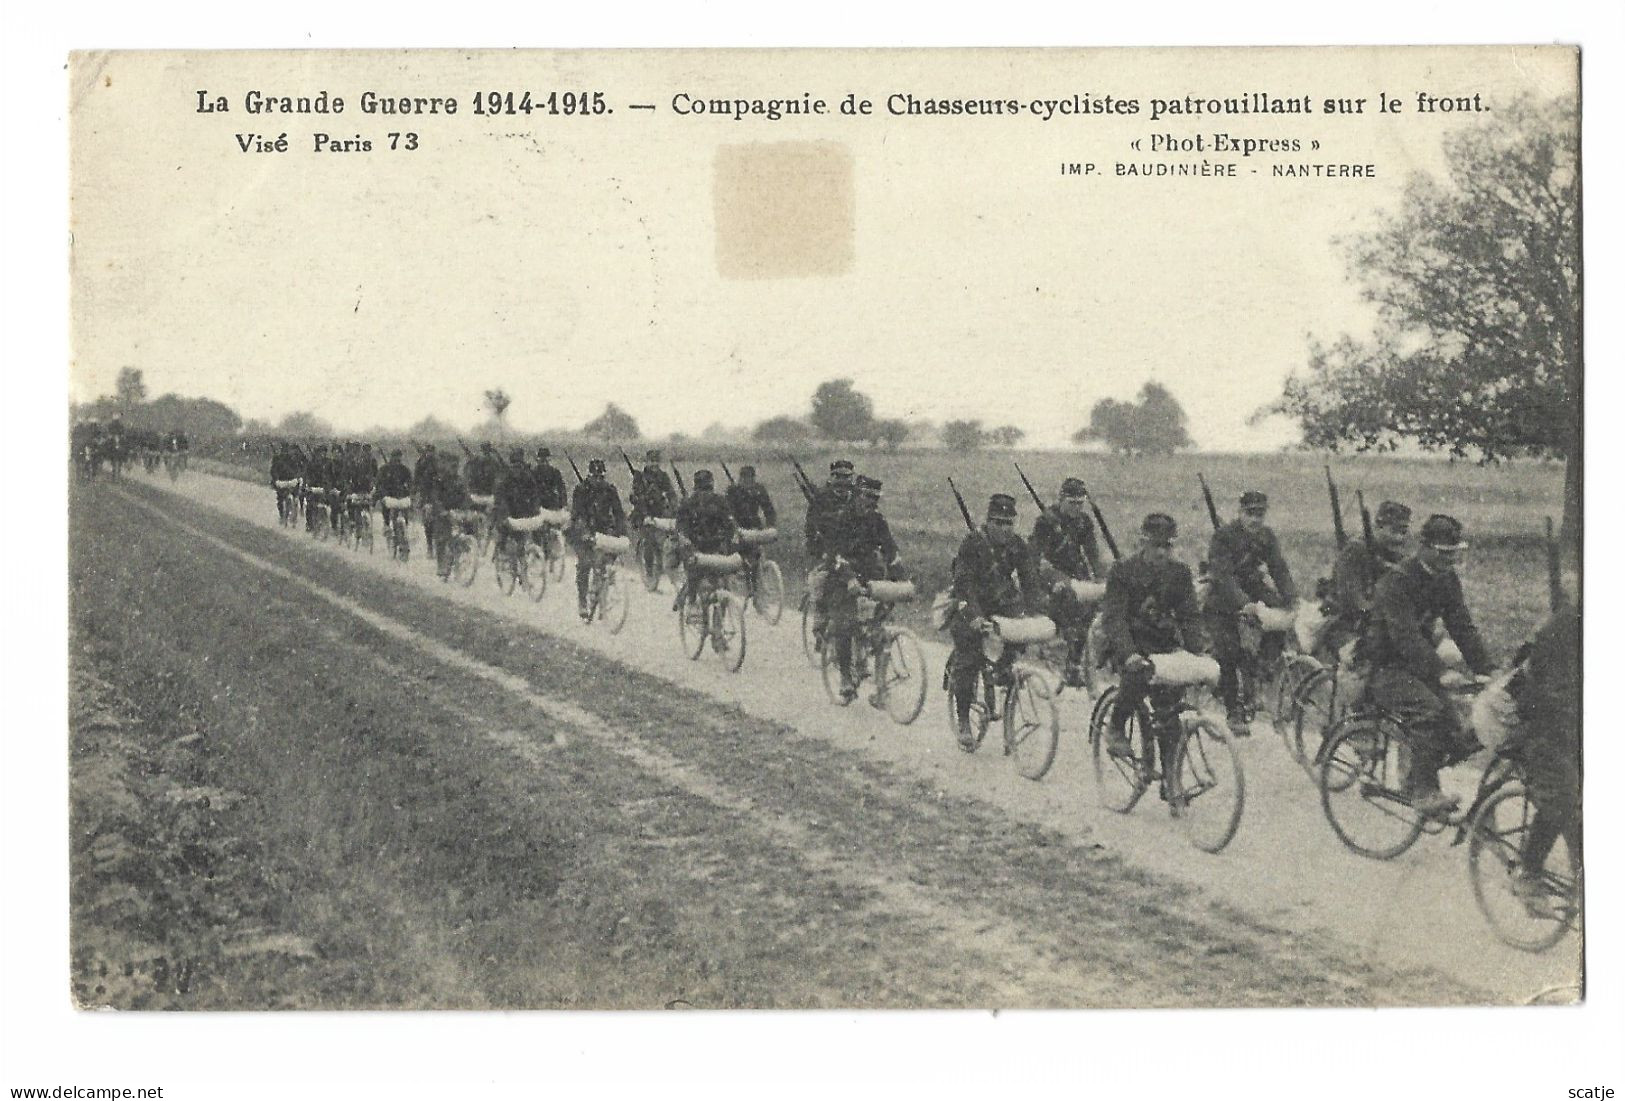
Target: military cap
x=1073, y=487
x=747, y=472
x=651, y=456
x=516, y=455
x=868, y=484
x=366, y=447
x=704, y=479
x=1443, y=533
x=1001, y=506
x=595, y=466
x=1160, y=529
x=395, y=454
x=841, y=466
x=488, y=446
x=544, y=453
x=1392, y=514
x=1253, y=499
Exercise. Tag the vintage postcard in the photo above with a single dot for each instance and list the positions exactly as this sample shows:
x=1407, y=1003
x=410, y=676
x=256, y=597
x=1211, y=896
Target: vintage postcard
x=825, y=529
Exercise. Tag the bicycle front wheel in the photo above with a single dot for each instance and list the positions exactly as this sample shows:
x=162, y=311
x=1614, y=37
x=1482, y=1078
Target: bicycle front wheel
x=728, y=629
x=691, y=628
x=981, y=711
x=535, y=572
x=1532, y=921
x=1032, y=729
x=830, y=670
x=1209, y=788
x=900, y=677
x=1313, y=718
x=769, y=598
x=613, y=600
x=465, y=566
x=809, y=642
x=1120, y=778
x=1361, y=774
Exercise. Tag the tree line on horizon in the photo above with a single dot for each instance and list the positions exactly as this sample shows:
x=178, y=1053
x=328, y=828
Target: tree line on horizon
x=1476, y=350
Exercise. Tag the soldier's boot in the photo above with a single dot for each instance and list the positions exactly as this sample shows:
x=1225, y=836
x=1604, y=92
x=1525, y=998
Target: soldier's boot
x=1073, y=675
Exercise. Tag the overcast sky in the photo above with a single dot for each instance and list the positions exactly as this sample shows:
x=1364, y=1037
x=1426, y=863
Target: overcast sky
x=574, y=261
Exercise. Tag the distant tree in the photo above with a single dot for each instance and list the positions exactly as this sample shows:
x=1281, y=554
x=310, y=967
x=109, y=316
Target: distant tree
x=839, y=412
x=963, y=435
x=304, y=425
x=1154, y=424
x=1007, y=435
x=614, y=423
x=1476, y=281
x=431, y=429
x=199, y=418
x=130, y=389
x=888, y=433
x=498, y=401
x=784, y=430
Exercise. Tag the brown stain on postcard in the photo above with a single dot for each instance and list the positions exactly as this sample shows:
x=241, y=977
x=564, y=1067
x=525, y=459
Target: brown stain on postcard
x=784, y=209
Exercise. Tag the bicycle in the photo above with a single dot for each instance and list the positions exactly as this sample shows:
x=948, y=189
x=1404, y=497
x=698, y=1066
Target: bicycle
x=174, y=465
x=1268, y=684
x=287, y=501
x=710, y=611
x=763, y=580
x=657, y=552
x=358, y=516
x=888, y=652
x=456, y=549
x=517, y=561
x=1205, y=788
x=397, y=517
x=318, y=513
x=1364, y=767
x=1497, y=835
x=1018, y=691
x=606, y=596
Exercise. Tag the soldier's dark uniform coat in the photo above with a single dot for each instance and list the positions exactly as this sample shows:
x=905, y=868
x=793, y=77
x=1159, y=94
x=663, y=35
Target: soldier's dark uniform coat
x=862, y=537
x=652, y=493
x=550, y=491
x=1150, y=608
x=394, y=480
x=516, y=492
x=1237, y=562
x=822, y=511
x=1068, y=544
x=1354, y=579
x=751, y=505
x=705, y=520
x=595, y=506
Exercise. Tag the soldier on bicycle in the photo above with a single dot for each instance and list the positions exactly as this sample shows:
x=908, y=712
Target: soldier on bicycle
x=394, y=481
x=285, y=469
x=1355, y=575
x=705, y=525
x=752, y=510
x=1547, y=691
x=1150, y=608
x=1064, y=540
x=595, y=509
x=360, y=481
x=550, y=490
x=517, y=497
x=1244, y=566
x=423, y=479
x=653, y=497
x=823, y=511
x=319, y=476
x=859, y=549
x=449, y=494
x=994, y=573
x=1398, y=644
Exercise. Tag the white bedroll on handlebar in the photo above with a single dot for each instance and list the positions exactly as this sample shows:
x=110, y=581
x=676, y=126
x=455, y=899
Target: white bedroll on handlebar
x=397, y=503
x=484, y=500
x=758, y=537
x=558, y=517
x=891, y=592
x=525, y=523
x=1272, y=620
x=1088, y=592
x=661, y=523
x=1181, y=668
x=719, y=563
x=287, y=483
x=609, y=544
x=1009, y=631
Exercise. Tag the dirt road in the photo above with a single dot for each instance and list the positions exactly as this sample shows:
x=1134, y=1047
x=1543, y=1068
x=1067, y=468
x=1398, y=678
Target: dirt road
x=785, y=852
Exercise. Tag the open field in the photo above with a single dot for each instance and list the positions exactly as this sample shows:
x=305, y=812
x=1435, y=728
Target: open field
x=494, y=806
x=1502, y=507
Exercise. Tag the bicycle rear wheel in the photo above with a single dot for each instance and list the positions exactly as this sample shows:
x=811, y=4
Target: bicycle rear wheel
x=900, y=677
x=554, y=548
x=535, y=572
x=1314, y=707
x=809, y=642
x=769, y=597
x=1500, y=830
x=1209, y=788
x=650, y=554
x=981, y=710
x=1361, y=774
x=1032, y=729
x=1294, y=671
x=465, y=565
x=1120, y=779
x=830, y=671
